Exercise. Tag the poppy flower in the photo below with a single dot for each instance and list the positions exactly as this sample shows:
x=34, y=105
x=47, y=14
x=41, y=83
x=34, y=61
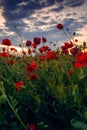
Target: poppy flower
x=33, y=77
x=13, y=49
x=70, y=72
x=19, y=85
x=29, y=51
x=64, y=49
x=68, y=45
x=34, y=45
x=28, y=43
x=7, y=42
x=74, y=50
x=50, y=55
x=4, y=54
x=59, y=26
x=32, y=127
x=3, y=49
x=31, y=67
x=81, y=60
x=41, y=58
x=10, y=62
x=44, y=39
x=44, y=49
x=77, y=65
x=37, y=40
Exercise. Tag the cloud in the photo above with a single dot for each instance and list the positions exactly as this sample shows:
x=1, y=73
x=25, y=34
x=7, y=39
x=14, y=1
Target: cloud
x=40, y=18
x=2, y=19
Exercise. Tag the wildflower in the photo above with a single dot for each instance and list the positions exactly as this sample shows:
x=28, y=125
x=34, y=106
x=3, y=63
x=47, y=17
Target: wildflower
x=19, y=85
x=37, y=40
x=64, y=49
x=6, y=42
x=32, y=127
x=31, y=67
x=29, y=51
x=51, y=55
x=44, y=49
x=81, y=60
x=23, y=52
x=13, y=49
x=59, y=26
x=34, y=45
x=77, y=65
x=44, y=39
x=33, y=51
x=10, y=62
x=41, y=58
x=68, y=45
x=33, y=77
x=4, y=54
x=70, y=72
x=3, y=49
x=74, y=50
x=28, y=43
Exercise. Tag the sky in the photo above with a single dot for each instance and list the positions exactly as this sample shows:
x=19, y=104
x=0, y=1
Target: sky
x=38, y=18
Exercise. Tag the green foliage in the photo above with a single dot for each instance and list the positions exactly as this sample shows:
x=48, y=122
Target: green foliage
x=56, y=100
x=78, y=125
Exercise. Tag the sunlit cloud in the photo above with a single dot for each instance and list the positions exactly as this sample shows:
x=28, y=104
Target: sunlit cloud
x=2, y=19
x=23, y=3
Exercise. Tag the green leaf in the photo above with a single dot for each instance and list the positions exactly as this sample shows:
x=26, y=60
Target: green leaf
x=2, y=99
x=79, y=125
x=13, y=102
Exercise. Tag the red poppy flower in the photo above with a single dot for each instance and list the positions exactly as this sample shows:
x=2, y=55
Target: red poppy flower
x=51, y=55
x=81, y=59
x=37, y=40
x=68, y=45
x=3, y=49
x=19, y=85
x=33, y=51
x=33, y=77
x=23, y=52
x=34, y=45
x=28, y=43
x=77, y=65
x=10, y=62
x=32, y=67
x=74, y=50
x=70, y=72
x=44, y=49
x=44, y=39
x=6, y=42
x=59, y=26
x=4, y=54
x=64, y=49
x=13, y=49
x=41, y=58
x=32, y=127
x=29, y=51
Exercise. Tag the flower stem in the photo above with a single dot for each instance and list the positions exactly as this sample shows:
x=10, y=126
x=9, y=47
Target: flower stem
x=66, y=34
x=18, y=117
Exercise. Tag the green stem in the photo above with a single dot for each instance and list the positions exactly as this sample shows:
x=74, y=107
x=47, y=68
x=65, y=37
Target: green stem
x=66, y=34
x=18, y=117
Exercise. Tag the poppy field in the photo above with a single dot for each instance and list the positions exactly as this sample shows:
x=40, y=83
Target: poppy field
x=46, y=90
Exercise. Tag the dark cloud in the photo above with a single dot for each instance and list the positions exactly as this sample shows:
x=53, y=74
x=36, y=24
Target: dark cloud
x=10, y=9
x=74, y=3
